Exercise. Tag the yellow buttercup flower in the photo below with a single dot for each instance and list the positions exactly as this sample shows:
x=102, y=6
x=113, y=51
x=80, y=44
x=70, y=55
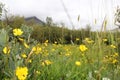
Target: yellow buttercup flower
x=46, y=44
x=46, y=62
x=43, y=64
x=55, y=42
x=38, y=72
x=24, y=55
x=83, y=54
x=46, y=41
x=112, y=46
x=30, y=61
x=83, y=48
x=77, y=39
x=37, y=49
x=89, y=40
x=6, y=50
x=104, y=40
x=53, y=49
x=116, y=55
x=67, y=54
x=78, y=63
x=114, y=61
x=17, y=32
x=21, y=73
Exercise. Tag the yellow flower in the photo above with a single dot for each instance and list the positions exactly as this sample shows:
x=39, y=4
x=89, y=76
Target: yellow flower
x=77, y=39
x=21, y=73
x=37, y=49
x=43, y=64
x=55, y=42
x=6, y=50
x=46, y=62
x=104, y=40
x=53, y=49
x=45, y=44
x=26, y=45
x=83, y=48
x=89, y=40
x=30, y=61
x=37, y=72
x=112, y=46
x=114, y=61
x=78, y=63
x=46, y=41
x=23, y=55
x=67, y=54
x=83, y=54
x=116, y=55
x=17, y=32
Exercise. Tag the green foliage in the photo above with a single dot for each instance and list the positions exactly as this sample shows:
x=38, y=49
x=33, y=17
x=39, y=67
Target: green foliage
x=3, y=37
x=58, y=61
x=14, y=21
x=49, y=21
x=59, y=34
x=1, y=9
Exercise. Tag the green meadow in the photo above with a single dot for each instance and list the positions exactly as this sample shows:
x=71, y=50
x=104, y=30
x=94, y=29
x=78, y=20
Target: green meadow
x=24, y=58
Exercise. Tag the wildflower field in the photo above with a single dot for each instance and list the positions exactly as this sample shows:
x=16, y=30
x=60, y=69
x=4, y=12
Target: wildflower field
x=23, y=58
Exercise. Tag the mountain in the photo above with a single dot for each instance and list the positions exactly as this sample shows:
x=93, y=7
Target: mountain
x=34, y=20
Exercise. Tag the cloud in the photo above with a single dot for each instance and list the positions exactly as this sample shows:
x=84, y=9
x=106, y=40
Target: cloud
x=89, y=10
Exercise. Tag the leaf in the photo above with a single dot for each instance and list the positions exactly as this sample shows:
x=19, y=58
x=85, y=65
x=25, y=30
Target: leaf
x=3, y=37
x=7, y=74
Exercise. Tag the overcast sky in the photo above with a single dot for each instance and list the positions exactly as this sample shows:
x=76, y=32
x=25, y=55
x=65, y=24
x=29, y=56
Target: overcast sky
x=89, y=10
